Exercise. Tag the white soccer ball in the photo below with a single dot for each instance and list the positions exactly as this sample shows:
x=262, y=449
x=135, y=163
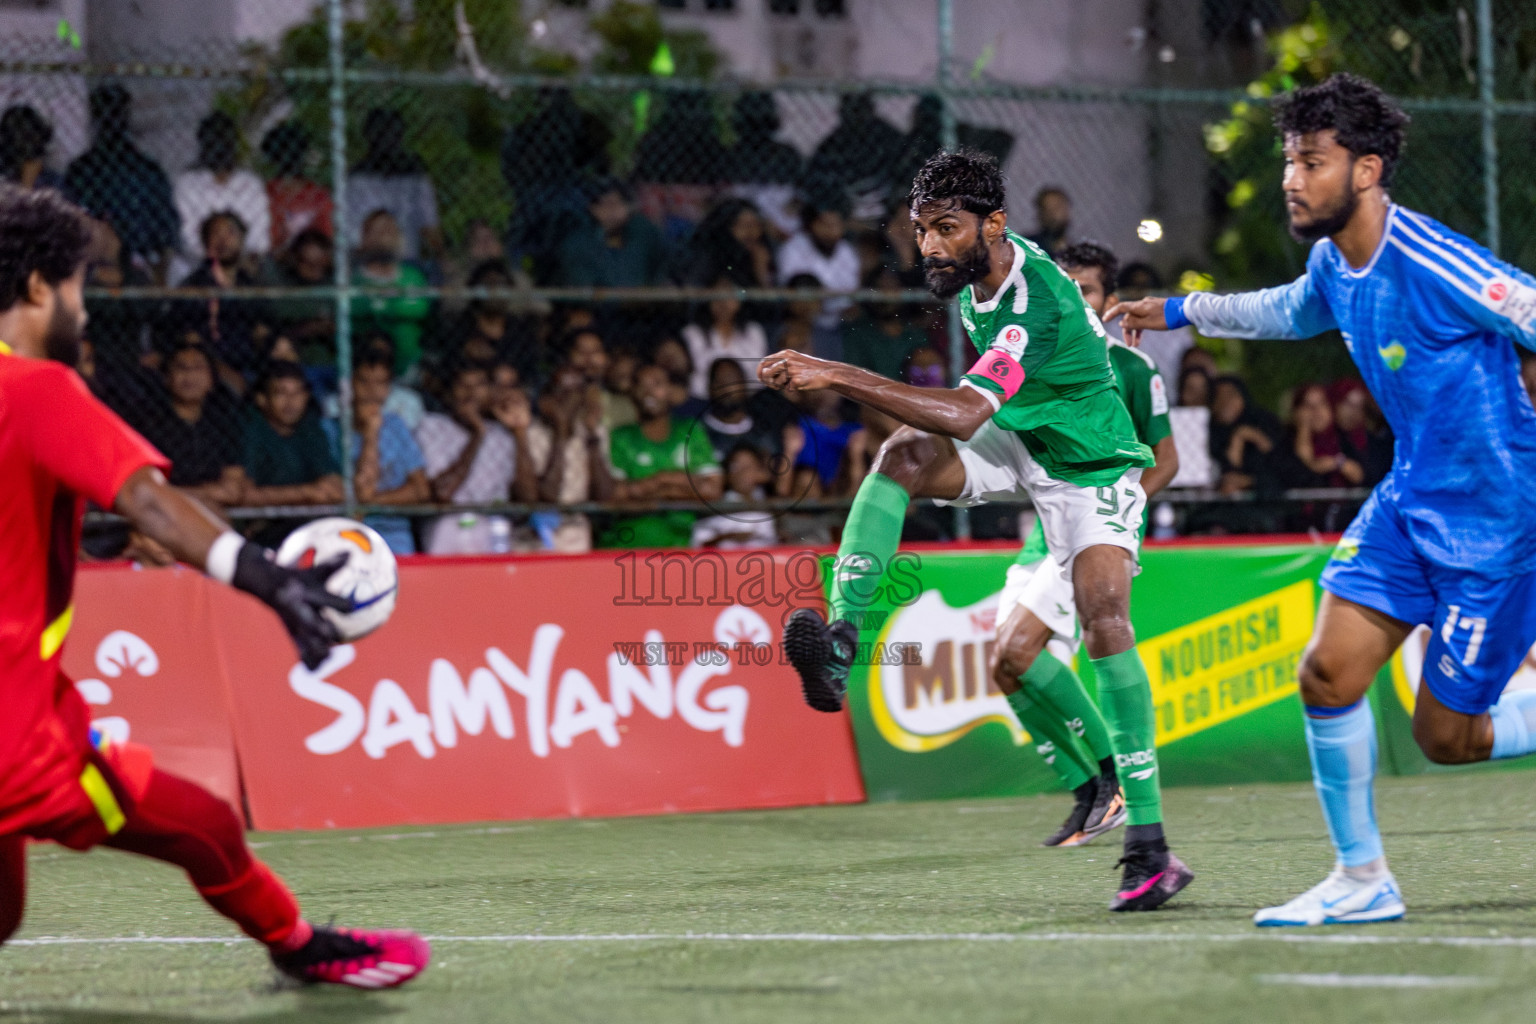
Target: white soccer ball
x=370, y=577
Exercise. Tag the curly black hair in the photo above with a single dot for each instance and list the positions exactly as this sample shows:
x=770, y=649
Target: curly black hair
x=1091, y=254
x=965, y=176
x=39, y=230
x=1364, y=119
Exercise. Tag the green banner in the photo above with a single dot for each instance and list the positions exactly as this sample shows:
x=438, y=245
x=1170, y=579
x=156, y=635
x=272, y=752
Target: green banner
x=1221, y=630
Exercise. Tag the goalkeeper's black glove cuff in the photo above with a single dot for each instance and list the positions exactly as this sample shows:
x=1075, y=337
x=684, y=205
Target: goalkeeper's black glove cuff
x=257, y=572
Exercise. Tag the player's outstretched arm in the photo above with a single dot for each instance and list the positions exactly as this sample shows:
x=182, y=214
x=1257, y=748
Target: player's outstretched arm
x=951, y=412
x=183, y=526
x=1295, y=310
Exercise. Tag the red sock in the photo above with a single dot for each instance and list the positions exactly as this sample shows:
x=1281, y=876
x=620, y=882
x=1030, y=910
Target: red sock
x=182, y=823
x=262, y=906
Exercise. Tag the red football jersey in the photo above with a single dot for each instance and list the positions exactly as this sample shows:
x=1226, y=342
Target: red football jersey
x=59, y=446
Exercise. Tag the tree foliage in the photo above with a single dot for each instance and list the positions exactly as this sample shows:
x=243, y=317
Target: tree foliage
x=1413, y=49
x=456, y=128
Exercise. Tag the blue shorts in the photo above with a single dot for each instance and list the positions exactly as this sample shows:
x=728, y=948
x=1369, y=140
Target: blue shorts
x=1480, y=626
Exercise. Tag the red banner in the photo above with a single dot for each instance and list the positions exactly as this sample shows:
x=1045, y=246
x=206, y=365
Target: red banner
x=519, y=688
x=143, y=652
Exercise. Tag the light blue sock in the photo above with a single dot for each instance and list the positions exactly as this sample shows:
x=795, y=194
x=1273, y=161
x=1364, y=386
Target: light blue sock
x=1342, y=743
x=1514, y=724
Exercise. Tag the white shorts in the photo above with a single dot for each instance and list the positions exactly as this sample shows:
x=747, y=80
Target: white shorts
x=999, y=468
x=1043, y=591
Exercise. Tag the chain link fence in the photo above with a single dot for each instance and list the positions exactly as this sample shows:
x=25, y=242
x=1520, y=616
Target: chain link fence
x=428, y=237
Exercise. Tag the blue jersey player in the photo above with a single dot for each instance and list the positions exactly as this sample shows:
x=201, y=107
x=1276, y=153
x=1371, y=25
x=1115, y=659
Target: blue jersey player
x=1436, y=325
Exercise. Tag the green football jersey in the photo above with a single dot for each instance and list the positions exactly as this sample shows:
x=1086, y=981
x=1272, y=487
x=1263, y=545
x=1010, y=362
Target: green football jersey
x=1142, y=390
x=1067, y=412
x=634, y=456
x=1145, y=396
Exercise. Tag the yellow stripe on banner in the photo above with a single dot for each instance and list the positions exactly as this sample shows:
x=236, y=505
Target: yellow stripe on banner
x=95, y=786
x=1225, y=665
x=58, y=629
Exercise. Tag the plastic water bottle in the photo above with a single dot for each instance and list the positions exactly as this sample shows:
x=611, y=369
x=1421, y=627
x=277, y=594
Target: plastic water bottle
x=501, y=535
x=466, y=541
x=1163, y=522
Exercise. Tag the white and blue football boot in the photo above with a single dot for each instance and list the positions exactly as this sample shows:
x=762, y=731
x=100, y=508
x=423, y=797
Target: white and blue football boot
x=1339, y=899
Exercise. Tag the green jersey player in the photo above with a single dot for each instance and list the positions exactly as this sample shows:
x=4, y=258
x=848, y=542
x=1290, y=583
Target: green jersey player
x=1036, y=418
x=1037, y=629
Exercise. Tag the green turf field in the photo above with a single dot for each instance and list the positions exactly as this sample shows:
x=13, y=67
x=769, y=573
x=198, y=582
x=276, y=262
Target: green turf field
x=917, y=912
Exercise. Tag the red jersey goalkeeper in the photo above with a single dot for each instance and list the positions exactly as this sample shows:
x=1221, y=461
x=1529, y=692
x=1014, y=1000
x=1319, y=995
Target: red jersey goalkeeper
x=59, y=780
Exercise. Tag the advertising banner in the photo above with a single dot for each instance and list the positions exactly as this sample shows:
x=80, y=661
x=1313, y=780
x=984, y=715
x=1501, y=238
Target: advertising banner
x=143, y=653
x=512, y=688
x=1220, y=629
x=632, y=683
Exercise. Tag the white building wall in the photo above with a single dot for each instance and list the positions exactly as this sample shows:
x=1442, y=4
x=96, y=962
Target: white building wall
x=33, y=34
x=1033, y=42
x=1098, y=152
x=266, y=21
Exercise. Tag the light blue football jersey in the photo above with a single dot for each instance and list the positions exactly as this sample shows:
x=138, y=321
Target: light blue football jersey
x=1432, y=322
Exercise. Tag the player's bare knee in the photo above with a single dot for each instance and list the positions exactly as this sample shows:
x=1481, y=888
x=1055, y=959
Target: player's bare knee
x=1104, y=607
x=1441, y=749
x=1013, y=659
x=1320, y=683
x=1107, y=632
x=905, y=457
x=1444, y=745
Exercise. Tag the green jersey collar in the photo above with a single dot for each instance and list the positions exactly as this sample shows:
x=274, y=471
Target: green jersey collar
x=1015, y=277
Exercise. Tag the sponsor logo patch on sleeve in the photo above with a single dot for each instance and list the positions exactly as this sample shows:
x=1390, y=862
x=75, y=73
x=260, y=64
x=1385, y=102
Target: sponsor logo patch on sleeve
x=1511, y=299
x=1012, y=340
x=1159, y=395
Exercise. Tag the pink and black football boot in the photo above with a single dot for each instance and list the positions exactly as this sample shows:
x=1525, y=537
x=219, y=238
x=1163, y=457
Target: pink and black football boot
x=1152, y=878
x=356, y=957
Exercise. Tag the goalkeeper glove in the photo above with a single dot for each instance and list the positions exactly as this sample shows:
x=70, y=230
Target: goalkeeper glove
x=297, y=595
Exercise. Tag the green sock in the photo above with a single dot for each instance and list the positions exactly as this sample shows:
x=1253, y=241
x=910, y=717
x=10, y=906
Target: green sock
x=870, y=538
x=1054, y=739
x=1126, y=696
x=1057, y=686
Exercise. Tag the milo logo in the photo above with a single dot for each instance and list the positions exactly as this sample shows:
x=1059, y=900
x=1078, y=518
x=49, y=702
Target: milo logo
x=944, y=691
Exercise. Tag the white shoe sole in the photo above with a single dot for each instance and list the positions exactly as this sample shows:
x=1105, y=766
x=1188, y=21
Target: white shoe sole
x=1378, y=915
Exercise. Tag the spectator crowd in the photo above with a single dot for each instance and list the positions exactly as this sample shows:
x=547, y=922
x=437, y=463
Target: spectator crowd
x=652, y=410
x=1334, y=438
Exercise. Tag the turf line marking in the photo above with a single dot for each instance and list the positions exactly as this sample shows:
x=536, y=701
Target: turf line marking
x=127, y=940
x=390, y=836
x=1472, y=941
x=1374, y=980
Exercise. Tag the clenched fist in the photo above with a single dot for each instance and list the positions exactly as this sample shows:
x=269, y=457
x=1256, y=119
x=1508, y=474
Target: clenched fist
x=789, y=370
